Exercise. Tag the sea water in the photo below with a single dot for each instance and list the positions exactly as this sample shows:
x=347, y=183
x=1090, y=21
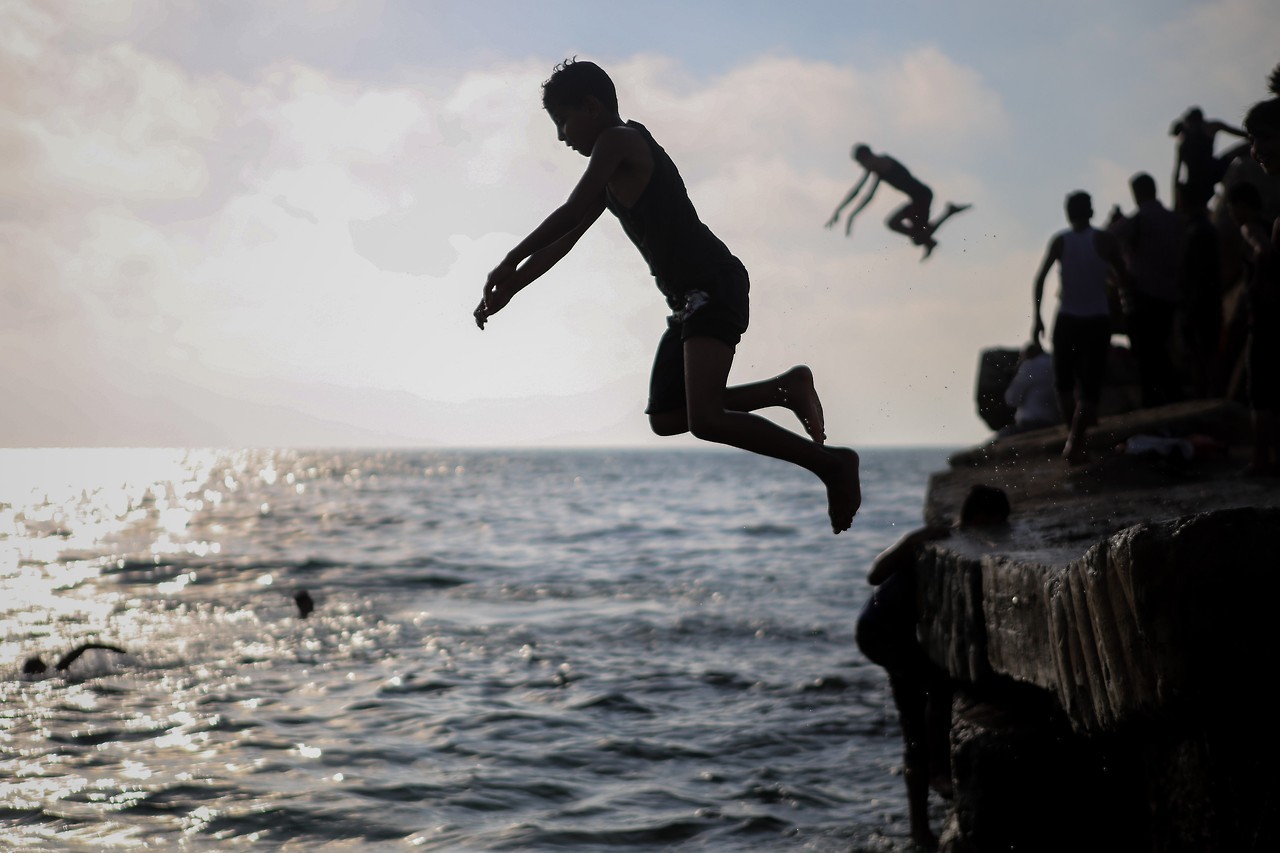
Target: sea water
x=524, y=650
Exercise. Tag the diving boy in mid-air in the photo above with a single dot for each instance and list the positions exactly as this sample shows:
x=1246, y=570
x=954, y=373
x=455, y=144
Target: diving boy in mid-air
x=912, y=219
x=704, y=285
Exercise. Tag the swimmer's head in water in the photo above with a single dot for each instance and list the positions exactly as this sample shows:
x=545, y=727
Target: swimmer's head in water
x=984, y=505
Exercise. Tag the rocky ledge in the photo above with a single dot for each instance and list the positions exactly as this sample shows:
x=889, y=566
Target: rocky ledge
x=1113, y=644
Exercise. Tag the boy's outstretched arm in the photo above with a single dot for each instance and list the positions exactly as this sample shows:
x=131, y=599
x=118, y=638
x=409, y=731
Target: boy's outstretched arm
x=1216, y=126
x=499, y=290
x=866, y=199
x=615, y=148
x=835, y=217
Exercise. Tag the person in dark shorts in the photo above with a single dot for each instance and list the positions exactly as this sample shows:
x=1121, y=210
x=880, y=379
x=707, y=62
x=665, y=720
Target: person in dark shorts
x=912, y=218
x=705, y=286
x=886, y=634
x=1151, y=242
x=1082, y=328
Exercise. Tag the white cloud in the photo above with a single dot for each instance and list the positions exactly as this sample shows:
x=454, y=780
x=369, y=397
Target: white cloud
x=297, y=267
x=295, y=226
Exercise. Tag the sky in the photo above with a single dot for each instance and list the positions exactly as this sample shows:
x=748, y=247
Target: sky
x=267, y=224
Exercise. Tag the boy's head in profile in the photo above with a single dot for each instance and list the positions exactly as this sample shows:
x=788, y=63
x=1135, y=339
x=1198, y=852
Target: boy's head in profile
x=1263, y=126
x=582, y=101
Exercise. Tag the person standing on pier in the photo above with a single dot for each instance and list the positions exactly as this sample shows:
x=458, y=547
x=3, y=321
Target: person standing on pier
x=1151, y=242
x=1082, y=326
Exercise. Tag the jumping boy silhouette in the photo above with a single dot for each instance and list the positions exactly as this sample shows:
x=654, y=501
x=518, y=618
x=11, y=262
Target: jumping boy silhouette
x=912, y=219
x=704, y=285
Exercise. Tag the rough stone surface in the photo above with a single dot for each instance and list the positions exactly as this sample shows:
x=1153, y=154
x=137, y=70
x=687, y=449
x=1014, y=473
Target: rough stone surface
x=1135, y=594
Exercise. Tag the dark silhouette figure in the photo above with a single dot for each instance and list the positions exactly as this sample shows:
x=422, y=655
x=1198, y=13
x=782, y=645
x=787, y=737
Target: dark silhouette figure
x=912, y=219
x=35, y=666
x=1197, y=171
x=1200, y=288
x=1262, y=125
x=302, y=598
x=1150, y=241
x=1031, y=393
x=1261, y=240
x=705, y=286
x=922, y=690
x=1082, y=327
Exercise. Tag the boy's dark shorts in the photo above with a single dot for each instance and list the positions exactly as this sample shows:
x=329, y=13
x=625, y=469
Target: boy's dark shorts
x=718, y=309
x=918, y=207
x=1080, y=349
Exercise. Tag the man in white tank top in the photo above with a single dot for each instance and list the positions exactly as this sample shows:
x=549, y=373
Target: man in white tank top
x=1082, y=327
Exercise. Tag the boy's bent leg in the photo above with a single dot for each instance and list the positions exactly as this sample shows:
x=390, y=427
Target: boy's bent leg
x=911, y=699
x=793, y=390
x=707, y=361
x=904, y=221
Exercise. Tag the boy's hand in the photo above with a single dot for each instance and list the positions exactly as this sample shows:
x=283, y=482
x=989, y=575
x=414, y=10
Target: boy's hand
x=496, y=296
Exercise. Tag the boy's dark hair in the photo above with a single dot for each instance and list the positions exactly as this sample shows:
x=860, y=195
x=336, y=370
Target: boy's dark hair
x=1245, y=194
x=1079, y=206
x=1263, y=118
x=1143, y=186
x=572, y=82
x=860, y=151
x=986, y=503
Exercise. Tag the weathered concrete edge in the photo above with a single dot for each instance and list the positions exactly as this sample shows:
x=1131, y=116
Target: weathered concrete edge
x=1140, y=625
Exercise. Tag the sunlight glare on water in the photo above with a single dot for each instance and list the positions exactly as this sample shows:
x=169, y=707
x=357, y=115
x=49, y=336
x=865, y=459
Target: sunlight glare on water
x=628, y=648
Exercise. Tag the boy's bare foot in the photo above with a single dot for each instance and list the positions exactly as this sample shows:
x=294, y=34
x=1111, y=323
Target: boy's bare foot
x=928, y=248
x=802, y=398
x=953, y=209
x=844, y=490
x=1075, y=453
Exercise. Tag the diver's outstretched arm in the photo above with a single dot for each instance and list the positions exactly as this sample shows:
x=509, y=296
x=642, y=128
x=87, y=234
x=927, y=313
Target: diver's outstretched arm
x=71, y=656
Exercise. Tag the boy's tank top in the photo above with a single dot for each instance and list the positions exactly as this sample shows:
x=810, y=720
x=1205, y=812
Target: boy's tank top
x=1083, y=273
x=681, y=251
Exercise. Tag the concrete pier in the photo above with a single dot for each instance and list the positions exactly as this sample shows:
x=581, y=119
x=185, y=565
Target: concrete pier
x=1114, y=645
